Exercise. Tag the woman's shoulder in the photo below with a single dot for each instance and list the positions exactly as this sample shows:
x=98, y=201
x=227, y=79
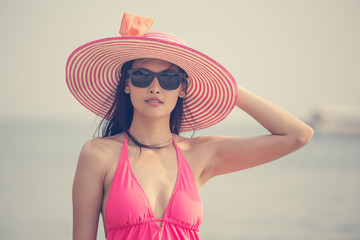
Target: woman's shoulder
x=102, y=149
x=103, y=143
x=97, y=156
x=204, y=147
x=194, y=143
x=195, y=148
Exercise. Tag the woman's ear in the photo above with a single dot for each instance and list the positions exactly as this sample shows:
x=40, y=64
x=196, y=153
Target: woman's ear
x=127, y=90
x=182, y=91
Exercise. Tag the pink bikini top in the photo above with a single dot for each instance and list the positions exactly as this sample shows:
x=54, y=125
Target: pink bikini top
x=128, y=213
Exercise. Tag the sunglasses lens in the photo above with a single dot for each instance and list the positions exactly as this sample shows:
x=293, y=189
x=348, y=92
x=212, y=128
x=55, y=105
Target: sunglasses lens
x=170, y=80
x=140, y=78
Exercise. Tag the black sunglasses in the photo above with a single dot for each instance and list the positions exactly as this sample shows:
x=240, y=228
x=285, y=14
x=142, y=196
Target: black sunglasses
x=142, y=78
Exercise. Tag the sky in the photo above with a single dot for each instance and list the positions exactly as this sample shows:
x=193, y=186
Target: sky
x=296, y=54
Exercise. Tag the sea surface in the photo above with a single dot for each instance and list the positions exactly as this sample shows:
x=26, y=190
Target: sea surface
x=312, y=194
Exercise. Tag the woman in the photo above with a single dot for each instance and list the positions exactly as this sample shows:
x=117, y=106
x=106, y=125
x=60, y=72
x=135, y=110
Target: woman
x=141, y=175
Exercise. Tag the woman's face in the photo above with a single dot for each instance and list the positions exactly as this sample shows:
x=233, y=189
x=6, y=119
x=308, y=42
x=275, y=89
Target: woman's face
x=154, y=101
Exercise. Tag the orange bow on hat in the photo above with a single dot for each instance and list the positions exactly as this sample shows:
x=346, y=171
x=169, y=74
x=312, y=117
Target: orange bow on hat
x=134, y=26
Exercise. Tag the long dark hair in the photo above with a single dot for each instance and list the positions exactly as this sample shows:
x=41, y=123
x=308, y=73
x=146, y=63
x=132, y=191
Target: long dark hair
x=121, y=113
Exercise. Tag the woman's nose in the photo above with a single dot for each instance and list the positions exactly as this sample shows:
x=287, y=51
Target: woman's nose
x=154, y=86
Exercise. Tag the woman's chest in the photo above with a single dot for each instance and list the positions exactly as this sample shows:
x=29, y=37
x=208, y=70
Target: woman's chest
x=153, y=182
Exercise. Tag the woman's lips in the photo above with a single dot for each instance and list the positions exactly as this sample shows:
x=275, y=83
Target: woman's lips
x=153, y=101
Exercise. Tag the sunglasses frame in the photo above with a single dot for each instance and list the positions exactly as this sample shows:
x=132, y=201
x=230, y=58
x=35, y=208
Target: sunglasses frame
x=161, y=80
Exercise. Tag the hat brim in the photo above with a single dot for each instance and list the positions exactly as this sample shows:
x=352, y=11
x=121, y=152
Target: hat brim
x=92, y=75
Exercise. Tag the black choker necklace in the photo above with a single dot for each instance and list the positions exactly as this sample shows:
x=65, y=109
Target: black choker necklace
x=152, y=146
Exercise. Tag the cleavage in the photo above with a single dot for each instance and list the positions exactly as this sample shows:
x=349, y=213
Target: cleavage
x=156, y=171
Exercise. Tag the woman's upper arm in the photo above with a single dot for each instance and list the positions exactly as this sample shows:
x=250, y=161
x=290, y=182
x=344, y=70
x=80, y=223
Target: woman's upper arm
x=232, y=154
x=87, y=192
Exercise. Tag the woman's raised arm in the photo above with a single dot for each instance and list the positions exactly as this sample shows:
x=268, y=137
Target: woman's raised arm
x=287, y=134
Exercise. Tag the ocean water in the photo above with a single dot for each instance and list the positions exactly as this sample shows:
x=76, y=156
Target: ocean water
x=313, y=193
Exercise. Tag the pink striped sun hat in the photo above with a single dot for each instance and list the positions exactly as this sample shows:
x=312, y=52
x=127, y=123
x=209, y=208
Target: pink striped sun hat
x=93, y=69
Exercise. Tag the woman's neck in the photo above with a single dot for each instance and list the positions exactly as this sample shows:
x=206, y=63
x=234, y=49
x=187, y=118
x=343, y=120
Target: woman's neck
x=150, y=131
